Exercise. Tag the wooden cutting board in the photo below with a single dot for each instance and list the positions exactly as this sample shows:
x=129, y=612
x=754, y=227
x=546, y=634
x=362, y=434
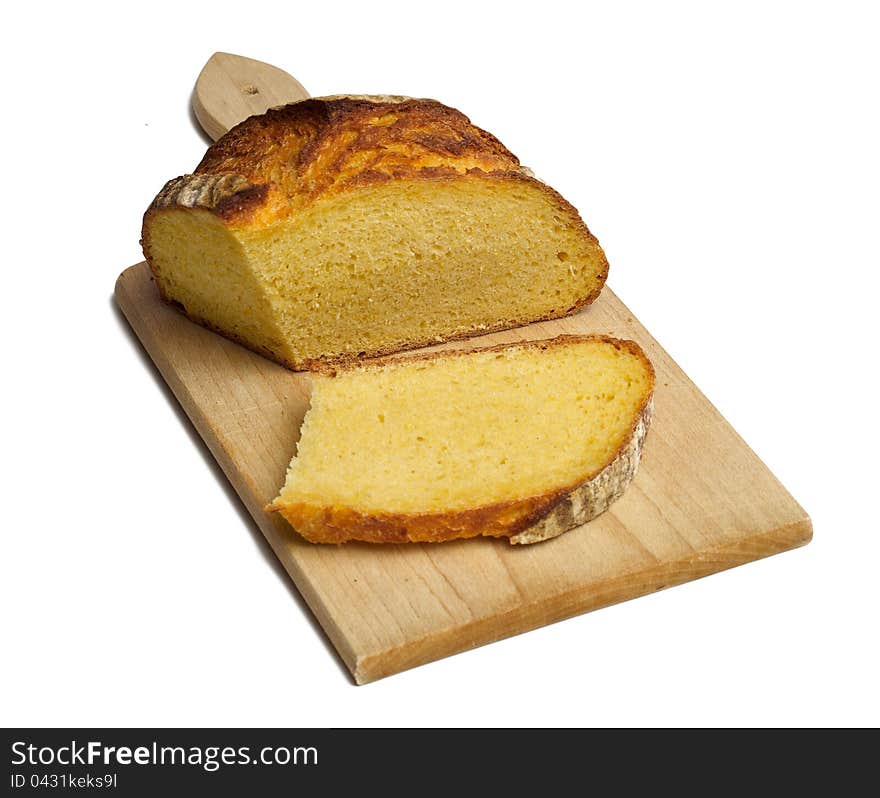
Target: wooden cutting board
x=701, y=502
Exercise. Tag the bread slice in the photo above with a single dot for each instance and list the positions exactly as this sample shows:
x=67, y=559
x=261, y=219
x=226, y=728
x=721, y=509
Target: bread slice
x=333, y=228
x=522, y=441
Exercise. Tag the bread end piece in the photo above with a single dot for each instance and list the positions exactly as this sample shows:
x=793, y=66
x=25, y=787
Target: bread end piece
x=524, y=520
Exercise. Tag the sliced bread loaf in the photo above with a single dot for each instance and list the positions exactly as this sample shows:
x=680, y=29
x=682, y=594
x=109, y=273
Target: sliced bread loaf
x=332, y=228
x=523, y=441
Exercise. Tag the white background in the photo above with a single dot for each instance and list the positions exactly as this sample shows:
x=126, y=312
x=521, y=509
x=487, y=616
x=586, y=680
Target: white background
x=728, y=162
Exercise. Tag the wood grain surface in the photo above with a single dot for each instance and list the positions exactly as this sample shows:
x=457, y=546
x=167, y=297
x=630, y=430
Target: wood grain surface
x=701, y=502
x=230, y=88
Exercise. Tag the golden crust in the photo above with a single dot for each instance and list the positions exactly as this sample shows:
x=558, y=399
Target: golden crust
x=318, y=147
x=527, y=520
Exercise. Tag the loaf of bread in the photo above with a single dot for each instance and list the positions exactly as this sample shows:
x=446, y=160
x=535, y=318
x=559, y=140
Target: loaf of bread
x=339, y=227
x=522, y=441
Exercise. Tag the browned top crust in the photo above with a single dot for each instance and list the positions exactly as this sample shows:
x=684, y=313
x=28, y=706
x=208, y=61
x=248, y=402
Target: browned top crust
x=293, y=155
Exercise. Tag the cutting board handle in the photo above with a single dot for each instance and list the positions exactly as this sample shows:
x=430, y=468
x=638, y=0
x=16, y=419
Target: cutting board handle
x=230, y=88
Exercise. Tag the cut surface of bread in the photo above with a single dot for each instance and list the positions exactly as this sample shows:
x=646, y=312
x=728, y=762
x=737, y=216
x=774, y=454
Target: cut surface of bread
x=522, y=441
x=329, y=229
